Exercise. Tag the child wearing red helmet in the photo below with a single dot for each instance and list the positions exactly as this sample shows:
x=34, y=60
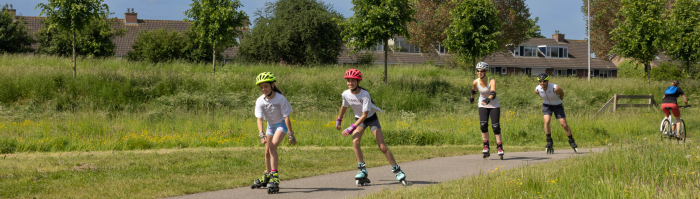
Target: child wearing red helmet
x=365, y=117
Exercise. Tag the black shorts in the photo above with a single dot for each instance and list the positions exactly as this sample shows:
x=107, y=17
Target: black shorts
x=372, y=122
x=558, y=110
x=485, y=113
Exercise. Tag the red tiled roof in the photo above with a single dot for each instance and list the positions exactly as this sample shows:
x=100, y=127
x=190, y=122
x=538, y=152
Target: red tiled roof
x=124, y=43
x=578, y=57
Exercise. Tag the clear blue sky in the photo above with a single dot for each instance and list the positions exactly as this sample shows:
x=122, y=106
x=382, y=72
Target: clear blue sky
x=562, y=15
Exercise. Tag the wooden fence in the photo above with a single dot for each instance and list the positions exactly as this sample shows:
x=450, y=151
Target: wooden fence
x=613, y=101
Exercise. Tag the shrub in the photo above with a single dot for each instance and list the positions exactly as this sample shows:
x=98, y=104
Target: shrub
x=295, y=32
x=666, y=71
x=164, y=45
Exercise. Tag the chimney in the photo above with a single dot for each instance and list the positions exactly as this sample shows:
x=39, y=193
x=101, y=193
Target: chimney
x=10, y=9
x=130, y=16
x=558, y=37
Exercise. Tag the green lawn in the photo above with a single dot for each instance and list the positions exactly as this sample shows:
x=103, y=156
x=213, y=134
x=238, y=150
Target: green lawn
x=170, y=172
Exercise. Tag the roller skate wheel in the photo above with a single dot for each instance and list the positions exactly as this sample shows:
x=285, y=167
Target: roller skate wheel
x=575, y=150
x=501, y=156
x=357, y=182
x=404, y=183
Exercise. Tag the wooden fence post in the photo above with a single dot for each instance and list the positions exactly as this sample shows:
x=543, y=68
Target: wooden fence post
x=614, y=103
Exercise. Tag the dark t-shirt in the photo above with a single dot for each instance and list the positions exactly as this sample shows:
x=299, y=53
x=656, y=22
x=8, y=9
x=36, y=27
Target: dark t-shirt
x=674, y=97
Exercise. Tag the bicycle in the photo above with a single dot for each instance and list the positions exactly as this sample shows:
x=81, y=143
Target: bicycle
x=668, y=126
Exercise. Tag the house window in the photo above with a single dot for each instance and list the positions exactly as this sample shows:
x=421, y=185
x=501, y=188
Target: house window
x=526, y=71
x=441, y=49
x=525, y=51
x=504, y=71
x=573, y=72
x=555, y=52
x=496, y=70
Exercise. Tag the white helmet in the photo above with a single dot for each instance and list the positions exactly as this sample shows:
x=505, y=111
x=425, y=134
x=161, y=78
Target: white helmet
x=482, y=65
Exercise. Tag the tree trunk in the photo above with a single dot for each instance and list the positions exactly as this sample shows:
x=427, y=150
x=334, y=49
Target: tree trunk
x=473, y=68
x=687, y=69
x=647, y=67
x=386, y=45
x=74, y=64
x=213, y=60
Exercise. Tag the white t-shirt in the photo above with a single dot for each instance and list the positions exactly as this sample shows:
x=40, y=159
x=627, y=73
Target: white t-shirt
x=359, y=103
x=273, y=110
x=548, y=96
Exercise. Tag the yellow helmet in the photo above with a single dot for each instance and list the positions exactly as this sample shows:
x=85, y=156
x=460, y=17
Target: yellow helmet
x=265, y=77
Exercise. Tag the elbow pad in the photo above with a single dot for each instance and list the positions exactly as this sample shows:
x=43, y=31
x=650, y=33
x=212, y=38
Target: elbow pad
x=494, y=94
x=473, y=92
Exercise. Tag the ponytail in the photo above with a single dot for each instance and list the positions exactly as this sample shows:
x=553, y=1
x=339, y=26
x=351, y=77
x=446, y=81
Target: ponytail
x=274, y=88
x=370, y=98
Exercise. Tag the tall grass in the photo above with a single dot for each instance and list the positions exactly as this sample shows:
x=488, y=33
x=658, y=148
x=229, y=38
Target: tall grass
x=114, y=104
x=647, y=168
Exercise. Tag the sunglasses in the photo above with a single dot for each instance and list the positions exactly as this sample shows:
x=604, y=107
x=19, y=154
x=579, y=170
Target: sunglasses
x=544, y=80
x=481, y=71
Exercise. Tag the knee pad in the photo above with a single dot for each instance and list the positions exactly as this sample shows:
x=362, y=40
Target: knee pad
x=496, y=128
x=484, y=126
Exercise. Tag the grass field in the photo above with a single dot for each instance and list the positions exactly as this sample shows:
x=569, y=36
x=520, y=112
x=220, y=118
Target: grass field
x=114, y=104
x=160, y=130
x=646, y=168
x=170, y=172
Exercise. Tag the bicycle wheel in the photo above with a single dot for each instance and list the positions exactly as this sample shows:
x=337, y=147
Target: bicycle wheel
x=682, y=129
x=664, y=128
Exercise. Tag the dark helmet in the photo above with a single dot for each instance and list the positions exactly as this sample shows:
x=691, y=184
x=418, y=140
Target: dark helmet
x=543, y=77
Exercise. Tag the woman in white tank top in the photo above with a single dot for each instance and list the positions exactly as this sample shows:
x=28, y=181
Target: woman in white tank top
x=488, y=107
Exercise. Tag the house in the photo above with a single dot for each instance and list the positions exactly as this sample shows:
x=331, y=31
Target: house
x=133, y=26
x=556, y=56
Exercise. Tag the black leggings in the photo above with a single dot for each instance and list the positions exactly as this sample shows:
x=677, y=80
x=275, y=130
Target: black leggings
x=495, y=114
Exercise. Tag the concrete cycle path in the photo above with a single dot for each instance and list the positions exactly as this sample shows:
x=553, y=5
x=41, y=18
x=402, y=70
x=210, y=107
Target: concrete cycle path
x=419, y=173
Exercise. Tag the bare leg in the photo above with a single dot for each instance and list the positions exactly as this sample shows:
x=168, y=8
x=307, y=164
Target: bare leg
x=547, y=130
x=356, y=138
x=563, y=123
x=275, y=141
x=382, y=146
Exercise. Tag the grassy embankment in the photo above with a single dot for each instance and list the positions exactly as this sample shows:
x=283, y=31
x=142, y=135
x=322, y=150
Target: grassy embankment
x=118, y=105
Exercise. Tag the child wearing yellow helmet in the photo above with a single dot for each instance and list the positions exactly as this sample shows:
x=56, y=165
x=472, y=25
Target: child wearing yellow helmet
x=273, y=107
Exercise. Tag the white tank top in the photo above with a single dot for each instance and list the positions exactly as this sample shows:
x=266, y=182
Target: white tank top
x=484, y=93
x=548, y=96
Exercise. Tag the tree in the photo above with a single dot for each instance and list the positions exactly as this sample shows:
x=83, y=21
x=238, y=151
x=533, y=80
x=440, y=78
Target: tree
x=534, y=31
x=377, y=21
x=473, y=33
x=296, y=32
x=73, y=15
x=641, y=34
x=431, y=19
x=684, y=41
x=93, y=41
x=216, y=22
x=515, y=23
x=604, y=19
x=13, y=34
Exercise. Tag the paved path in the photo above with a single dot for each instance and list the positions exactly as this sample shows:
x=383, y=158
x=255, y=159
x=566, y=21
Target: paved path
x=419, y=173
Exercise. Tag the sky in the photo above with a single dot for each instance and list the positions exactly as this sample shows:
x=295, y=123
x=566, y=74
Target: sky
x=562, y=15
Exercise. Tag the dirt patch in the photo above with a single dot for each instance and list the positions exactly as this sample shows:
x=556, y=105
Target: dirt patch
x=85, y=167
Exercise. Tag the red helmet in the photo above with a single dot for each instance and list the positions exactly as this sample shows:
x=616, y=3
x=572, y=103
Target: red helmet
x=353, y=74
